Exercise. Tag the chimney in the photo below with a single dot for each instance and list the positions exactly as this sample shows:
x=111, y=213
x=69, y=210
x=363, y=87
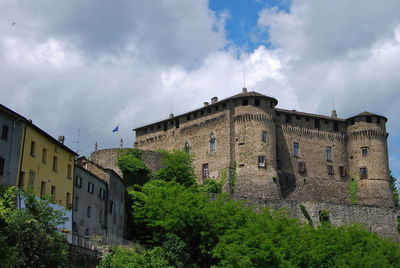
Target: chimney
x=171, y=115
x=214, y=100
x=95, y=146
x=334, y=114
x=205, y=103
x=61, y=139
x=244, y=90
x=121, y=144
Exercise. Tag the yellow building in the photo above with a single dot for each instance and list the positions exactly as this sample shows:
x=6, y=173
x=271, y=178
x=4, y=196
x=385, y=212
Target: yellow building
x=47, y=165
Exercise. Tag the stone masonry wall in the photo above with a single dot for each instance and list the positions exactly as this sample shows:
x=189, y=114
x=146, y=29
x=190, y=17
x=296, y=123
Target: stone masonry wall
x=380, y=220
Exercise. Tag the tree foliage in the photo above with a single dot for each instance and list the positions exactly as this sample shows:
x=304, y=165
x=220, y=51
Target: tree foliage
x=395, y=192
x=194, y=231
x=28, y=235
x=177, y=166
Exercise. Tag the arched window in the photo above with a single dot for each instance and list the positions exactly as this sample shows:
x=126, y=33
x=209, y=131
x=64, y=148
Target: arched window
x=212, y=142
x=187, y=146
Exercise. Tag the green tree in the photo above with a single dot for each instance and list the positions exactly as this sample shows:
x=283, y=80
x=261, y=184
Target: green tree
x=177, y=166
x=134, y=169
x=30, y=234
x=395, y=192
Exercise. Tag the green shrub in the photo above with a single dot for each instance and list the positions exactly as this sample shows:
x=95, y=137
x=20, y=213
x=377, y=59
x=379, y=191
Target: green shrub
x=306, y=215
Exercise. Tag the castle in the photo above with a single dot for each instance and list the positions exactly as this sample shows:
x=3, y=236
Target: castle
x=280, y=154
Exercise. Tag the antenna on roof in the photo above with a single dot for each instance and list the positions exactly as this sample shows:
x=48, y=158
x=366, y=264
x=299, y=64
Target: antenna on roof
x=244, y=79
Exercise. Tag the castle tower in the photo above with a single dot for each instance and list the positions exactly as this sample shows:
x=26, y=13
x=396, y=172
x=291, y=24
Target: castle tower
x=368, y=158
x=255, y=145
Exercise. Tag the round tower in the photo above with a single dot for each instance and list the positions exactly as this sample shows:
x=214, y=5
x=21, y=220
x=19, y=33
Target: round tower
x=255, y=145
x=368, y=159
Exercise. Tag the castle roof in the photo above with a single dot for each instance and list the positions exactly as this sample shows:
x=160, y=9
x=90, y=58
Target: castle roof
x=309, y=114
x=365, y=113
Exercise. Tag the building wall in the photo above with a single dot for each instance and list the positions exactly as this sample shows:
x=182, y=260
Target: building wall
x=10, y=147
x=42, y=169
x=94, y=223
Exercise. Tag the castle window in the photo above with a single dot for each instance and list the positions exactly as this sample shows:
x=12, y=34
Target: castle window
x=352, y=122
x=316, y=121
x=202, y=112
x=288, y=118
x=151, y=128
x=378, y=120
x=342, y=171
x=363, y=173
x=307, y=119
x=205, y=170
x=208, y=110
x=330, y=169
x=223, y=105
x=301, y=167
x=245, y=102
x=145, y=130
x=188, y=117
x=364, y=151
x=195, y=115
x=369, y=120
x=165, y=126
x=212, y=142
x=297, y=117
x=187, y=146
x=177, y=123
x=329, y=153
x=295, y=149
x=216, y=108
x=158, y=126
x=4, y=134
x=326, y=122
x=261, y=161
x=171, y=123
x=264, y=136
x=335, y=126
x=257, y=102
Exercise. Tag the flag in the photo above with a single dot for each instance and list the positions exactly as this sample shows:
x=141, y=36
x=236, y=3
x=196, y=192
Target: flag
x=115, y=129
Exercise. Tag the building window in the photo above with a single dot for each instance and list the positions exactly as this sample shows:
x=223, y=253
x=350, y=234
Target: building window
x=42, y=189
x=257, y=102
x=378, y=120
x=335, y=126
x=44, y=155
x=363, y=173
x=195, y=115
x=364, y=151
x=55, y=149
x=21, y=182
x=177, y=123
x=111, y=207
x=4, y=133
x=212, y=142
x=216, y=108
x=69, y=171
x=342, y=171
x=31, y=181
x=329, y=153
x=87, y=232
x=316, y=122
x=102, y=194
x=288, y=118
x=1, y=166
x=301, y=167
x=330, y=169
x=53, y=191
x=245, y=102
x=369, y=120
x=32, y=153
x=55, y=163
x=68, y=200
x=188, y=117
x=78, y=181
x=76, y=205
x=187, y=146
x=89, y=211
x=264, y=136
x=90, y=187
x=295, y=149
x=261, y=161
x=165, y=126
x=205, y=170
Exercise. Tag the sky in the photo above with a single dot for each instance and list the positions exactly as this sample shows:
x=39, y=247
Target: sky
x=80, y=68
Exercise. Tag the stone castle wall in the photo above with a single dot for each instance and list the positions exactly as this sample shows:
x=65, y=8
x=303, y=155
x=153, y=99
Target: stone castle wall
x=380, y=220
x=238, y=123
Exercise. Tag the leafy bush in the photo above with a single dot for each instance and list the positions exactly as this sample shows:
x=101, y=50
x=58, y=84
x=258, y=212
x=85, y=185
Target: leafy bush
x=352, y=187
x=177, y=166
x=232, y=181
x=132, y=165
x=324, y=216
x=306, y=215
